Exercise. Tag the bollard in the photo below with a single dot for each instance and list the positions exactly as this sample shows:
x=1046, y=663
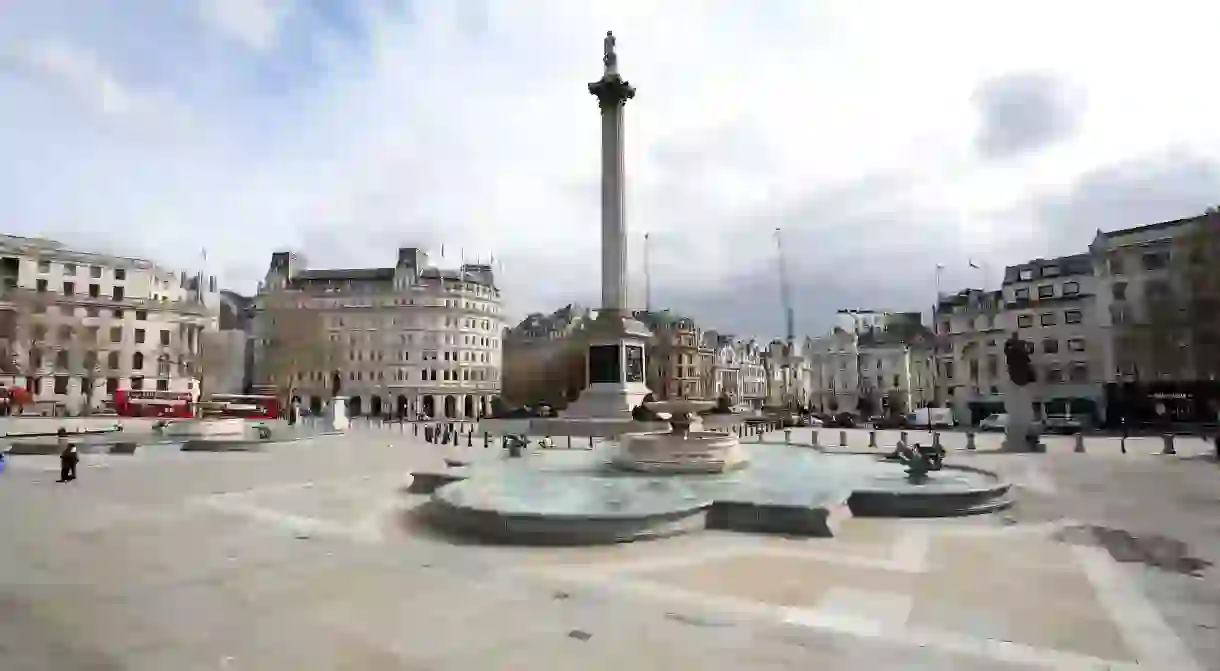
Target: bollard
x=503, y=442
x=842, y=438
x=813, y=438
x=1169, y=448
x=414, y=428
x=1122, y=445
x=590, y=442
x=902, y=437
x=470, y=439
x=569, y=441
x=872, y=438
x=486, y=440
x=936, y=439
x=970, y=440
x=787, y=436
x=1080, y=443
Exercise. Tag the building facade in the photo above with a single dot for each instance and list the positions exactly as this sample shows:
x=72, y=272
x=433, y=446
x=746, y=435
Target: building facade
x=674, y=362
x=407, y=339
x=1158, y=308
x=879, y=369
x=83, y=325
x=970, y=368
x=1052, y=305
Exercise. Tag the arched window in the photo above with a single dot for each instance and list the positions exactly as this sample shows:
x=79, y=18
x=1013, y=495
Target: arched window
x=137, y=361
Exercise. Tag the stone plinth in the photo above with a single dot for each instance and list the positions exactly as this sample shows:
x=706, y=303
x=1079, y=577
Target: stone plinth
x=615, y=360
x=1019, y=435
x=336, y=414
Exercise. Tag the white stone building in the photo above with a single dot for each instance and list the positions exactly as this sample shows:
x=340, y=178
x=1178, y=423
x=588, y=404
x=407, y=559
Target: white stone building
x=86, y=325
x=886, y=360
x=407, y=339
x=970, y=333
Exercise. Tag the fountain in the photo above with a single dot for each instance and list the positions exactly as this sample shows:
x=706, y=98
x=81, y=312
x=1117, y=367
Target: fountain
x=681, y=449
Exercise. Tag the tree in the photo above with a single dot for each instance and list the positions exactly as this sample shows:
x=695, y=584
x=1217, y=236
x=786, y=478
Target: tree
x=896, y=402
x=293, y=345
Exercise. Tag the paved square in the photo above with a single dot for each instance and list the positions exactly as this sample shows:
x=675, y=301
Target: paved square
x=308, y=557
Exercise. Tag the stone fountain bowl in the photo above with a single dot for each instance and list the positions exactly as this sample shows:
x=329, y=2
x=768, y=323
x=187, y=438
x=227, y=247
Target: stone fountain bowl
x=679, y=407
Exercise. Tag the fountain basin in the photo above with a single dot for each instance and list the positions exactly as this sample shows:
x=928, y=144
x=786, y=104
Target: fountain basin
x=582, y=497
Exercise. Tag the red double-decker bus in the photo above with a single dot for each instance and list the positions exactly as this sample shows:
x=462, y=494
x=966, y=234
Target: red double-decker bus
x=152, y=403
x=245, y=406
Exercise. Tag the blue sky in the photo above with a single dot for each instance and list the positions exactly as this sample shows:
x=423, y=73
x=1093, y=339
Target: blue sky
x=883, y=136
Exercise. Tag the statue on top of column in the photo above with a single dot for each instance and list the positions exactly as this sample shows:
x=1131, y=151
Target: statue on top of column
x=609, y=57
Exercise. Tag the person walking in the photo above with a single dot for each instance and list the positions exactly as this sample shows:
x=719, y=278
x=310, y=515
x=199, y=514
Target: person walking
x=68, y=459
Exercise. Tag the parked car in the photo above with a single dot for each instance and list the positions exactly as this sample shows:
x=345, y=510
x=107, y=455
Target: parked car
x=999, y=422
x=889, y=422
x=941, y=418
x=996, y=422
x=1065, y=424
x=843, y=420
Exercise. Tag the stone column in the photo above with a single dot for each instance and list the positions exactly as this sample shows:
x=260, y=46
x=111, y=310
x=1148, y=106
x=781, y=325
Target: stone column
x=612, y=93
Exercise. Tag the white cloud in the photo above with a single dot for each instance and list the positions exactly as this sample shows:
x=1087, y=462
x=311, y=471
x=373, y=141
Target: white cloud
x=61, y=64
x=847, y=122
x=256, y=23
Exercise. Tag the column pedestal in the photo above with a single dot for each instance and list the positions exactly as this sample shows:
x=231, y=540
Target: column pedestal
x=1019, y=435
x=617, y=350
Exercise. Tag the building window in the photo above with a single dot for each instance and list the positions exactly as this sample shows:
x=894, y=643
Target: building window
x=1021, y=294
x=120, y=274
x=91, y=312
x=112, y=385
x=1050, y=271
x=1025, y=321
x=1071, y=288
x=164, y=337
x=162, y=385
x=1046, y=291
x=1054, y=375
x=139, y=336
x=117, y=294
x=1076, y=344
x=1072, y=316
x=94, y=291
x=137, y=383
x=137, y=361
x=112, y=360
x=44, y=266
x=1155, y=260
x=1080, y=372
x=41, y=286
x=141, y=315
x=69, y=288
x=1025, y=274
x=1047, y=319
x=61, y=359
x=61, y=384
x=69, y=268
x=1050, y=345
x=95, y=271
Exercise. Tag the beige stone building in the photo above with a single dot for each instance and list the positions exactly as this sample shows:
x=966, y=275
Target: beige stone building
x=970, y=334
x=82, y=325
x=408, y=339
x=1052, y=304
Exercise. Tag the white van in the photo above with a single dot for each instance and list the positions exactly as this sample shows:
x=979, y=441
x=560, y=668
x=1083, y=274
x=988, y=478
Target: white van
x=937, y=418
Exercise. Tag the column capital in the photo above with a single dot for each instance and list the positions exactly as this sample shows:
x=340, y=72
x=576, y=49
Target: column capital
x=612, y=91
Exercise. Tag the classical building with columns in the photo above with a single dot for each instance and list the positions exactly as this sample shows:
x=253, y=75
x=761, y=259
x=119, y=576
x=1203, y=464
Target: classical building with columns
x=407, y=339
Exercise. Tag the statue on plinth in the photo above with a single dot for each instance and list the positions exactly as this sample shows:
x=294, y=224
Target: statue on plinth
x=1016, y=356
x=609, y=58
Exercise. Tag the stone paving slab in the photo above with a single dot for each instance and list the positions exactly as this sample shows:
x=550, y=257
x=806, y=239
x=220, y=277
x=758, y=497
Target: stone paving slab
x=134, y=568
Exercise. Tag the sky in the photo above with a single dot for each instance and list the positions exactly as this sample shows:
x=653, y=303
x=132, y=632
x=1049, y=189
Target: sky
x=883, y=137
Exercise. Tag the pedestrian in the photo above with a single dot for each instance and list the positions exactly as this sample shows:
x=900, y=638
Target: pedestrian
x=68, y=459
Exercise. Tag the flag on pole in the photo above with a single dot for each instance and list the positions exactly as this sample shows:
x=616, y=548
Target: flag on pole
x=204, y=253
x=973, y=264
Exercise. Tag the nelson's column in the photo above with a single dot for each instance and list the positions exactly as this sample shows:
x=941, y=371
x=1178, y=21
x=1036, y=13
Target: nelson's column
x=617, y=341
